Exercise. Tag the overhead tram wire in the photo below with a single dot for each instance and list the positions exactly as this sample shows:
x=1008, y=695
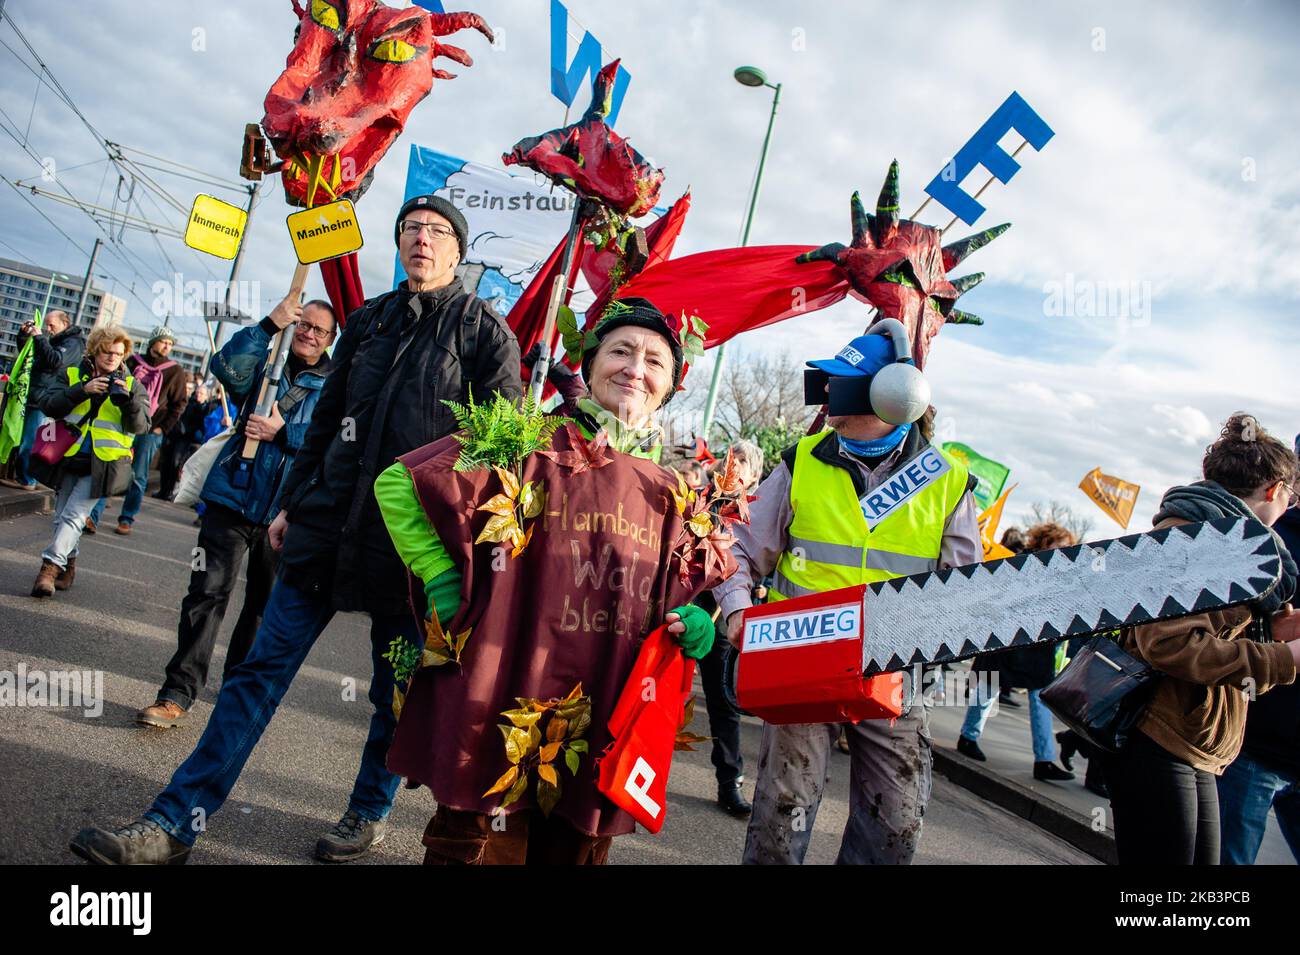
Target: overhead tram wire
x=117, y=161
x=114, y=153
x=26, y=147
x=59, y=229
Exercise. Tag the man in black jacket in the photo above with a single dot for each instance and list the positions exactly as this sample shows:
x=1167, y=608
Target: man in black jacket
x=400, y=356
x=56, y=347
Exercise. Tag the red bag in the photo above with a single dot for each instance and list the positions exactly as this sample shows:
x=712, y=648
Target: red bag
x=53, y=439
x=634, y=769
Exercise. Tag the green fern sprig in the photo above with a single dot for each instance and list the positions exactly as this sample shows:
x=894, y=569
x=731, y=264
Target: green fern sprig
x=499, y=433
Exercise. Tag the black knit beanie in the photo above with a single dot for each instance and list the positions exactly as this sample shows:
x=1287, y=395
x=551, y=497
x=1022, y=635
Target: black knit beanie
x=443, y=208
x=640, y=312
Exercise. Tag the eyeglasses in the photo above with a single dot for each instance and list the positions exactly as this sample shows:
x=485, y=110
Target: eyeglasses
x=411, y=228
x=112, y=354
x=318, y=331
x=1292, y=497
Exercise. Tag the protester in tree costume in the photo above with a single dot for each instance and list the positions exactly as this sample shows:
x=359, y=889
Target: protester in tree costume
x=546, y=572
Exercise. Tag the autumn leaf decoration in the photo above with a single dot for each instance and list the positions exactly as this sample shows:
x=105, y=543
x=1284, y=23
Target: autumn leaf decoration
x=501, y=435
x=440, y=648
x=515, y=504
x=707, y=517
x=583, y=455
x=685, y=738
x=539, y=737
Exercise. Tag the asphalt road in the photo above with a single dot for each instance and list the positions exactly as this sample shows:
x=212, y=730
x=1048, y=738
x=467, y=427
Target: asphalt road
x=63, y=769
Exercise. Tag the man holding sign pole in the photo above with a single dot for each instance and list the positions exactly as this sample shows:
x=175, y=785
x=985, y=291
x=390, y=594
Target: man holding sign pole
x=400, y=355
x=242, y=497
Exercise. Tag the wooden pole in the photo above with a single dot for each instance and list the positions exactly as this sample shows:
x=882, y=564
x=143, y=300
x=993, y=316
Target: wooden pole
x=280, y=353
x=560, y=293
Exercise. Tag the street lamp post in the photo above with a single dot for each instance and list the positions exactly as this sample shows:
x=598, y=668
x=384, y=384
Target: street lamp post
x=745, y=76
x=49, y=290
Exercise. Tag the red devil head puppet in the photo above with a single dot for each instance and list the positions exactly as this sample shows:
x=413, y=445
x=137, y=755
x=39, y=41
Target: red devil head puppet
x=898, y=266
x=357, y=69
x=592, y=159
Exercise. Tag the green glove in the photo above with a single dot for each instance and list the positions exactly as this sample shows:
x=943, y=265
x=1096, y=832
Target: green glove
x=443, y=593
x=697, y=641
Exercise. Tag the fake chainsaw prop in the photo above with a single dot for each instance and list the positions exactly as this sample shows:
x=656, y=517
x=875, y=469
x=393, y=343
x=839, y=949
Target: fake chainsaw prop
x=831, y=657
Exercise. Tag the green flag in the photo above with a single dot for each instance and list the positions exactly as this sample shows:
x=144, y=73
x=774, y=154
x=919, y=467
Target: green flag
x=991, y=475
x=20, y=379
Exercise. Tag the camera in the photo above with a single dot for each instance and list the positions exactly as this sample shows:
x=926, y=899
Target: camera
x=117, y=390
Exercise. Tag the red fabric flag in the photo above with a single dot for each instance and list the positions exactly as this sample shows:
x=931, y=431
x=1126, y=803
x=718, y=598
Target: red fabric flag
x=343, y=285
x=527, y=319
x=737, y=290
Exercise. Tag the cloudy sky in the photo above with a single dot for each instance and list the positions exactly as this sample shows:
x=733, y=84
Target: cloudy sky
x=1148, y=287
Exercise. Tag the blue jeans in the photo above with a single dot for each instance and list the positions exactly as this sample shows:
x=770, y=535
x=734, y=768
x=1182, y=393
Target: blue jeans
x=97, y=512
x=32, y=421
x=145, y=447
x=1040, y=722
x=1247, y=790
x=70, y=510
x=249, y=696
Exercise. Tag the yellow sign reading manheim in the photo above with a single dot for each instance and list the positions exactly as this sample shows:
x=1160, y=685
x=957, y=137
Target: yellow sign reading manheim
x=215, y=227
x=325, y=232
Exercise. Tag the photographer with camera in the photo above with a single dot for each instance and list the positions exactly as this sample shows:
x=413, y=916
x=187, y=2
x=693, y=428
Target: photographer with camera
x=102, y=408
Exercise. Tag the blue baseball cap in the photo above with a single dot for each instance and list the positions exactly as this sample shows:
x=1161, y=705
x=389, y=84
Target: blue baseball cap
x=863, y=356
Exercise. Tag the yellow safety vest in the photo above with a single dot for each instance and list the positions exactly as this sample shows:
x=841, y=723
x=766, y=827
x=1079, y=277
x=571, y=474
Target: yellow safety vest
x=831, y=543
x=109, y=440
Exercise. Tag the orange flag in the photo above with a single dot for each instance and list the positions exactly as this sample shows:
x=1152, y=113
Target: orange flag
x=1112, y=495
x=988, y=524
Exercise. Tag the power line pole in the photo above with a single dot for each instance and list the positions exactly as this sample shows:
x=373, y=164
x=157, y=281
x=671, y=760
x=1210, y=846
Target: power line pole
x=85, y=286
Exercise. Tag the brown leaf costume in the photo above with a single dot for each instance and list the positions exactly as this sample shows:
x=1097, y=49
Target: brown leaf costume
x=573, y=607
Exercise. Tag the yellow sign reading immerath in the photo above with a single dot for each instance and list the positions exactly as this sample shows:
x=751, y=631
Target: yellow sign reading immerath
x=325, y=232
x=215, y=227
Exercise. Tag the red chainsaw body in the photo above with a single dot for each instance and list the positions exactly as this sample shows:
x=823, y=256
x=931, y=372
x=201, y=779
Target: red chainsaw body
x=801, y=662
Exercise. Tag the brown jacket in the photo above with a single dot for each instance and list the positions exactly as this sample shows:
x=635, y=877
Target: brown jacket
x=1198, y=710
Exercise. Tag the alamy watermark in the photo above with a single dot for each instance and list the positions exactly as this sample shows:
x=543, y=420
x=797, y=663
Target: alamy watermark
x=73, y=689
x=1128, y=303
x=212, y=299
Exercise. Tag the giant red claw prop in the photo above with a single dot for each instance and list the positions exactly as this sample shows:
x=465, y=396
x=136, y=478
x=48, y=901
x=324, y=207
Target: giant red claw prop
x=898, y=266
x=357, y=69
x=592, y=159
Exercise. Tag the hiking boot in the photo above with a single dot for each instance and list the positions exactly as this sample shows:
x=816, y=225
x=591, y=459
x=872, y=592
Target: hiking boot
x=67, y=575
x=90, y=526
x=44, y=585
x=123, y=528
x=970, y=748
x=143, y=842
x=351, y=837
x=163, y=715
